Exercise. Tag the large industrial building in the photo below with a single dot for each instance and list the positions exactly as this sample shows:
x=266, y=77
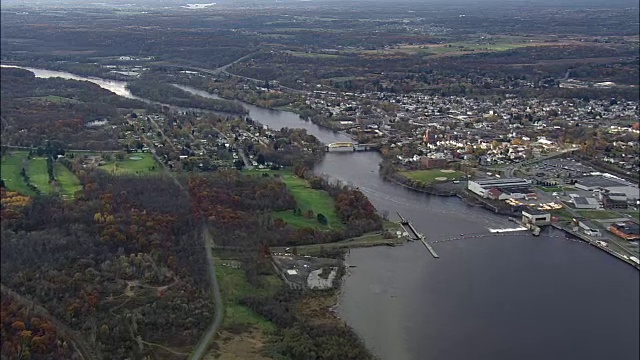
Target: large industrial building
x=618, y=190
x=515, y=188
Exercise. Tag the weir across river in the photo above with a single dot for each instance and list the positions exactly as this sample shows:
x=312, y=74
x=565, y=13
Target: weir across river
x=416, y=235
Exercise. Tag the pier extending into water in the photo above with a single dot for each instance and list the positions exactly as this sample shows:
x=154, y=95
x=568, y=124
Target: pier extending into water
x=416, y=235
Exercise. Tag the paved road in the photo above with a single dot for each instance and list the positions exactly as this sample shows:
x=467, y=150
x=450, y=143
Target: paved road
x=62, y=328
x=206, y=339
x=205, y=235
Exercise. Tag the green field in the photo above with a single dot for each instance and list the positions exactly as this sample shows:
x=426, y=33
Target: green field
x=53, y=99
x=431, y=176
x=551, y=189
x=234, y=286
x=307, y=199
x=67, y=181
x=11, y=165
x=600, y=214
x=312, y=55
x=37, y=172
x=129, y=166
x=562, y=214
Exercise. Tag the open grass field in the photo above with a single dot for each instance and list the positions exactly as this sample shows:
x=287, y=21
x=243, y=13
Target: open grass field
x=131, y=165
x=55, y=99
x=432, y=176
x=234, y=286
x=600, y=214
x=11, y=165
x=37, y=172
x=312, y=55
x=551, y=189
x=473, y=45
x=67, y=181
x=307, y=199
x=562, y=214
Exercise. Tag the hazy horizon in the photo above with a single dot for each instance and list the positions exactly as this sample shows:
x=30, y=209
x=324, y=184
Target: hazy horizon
x=165, y=3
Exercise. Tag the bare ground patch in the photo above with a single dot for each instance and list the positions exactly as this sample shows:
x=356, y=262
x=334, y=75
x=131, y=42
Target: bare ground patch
x=245, y=346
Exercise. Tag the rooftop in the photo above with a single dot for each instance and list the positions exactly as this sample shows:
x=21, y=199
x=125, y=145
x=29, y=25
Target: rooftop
x=599, y=181
x=501, y=182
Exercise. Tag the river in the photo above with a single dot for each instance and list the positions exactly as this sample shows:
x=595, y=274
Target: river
x=489, y=296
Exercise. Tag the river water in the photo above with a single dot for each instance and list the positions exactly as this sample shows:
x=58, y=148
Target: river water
x=489, y=296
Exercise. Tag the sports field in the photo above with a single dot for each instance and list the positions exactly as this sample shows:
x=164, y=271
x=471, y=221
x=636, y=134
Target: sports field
x=432, y=176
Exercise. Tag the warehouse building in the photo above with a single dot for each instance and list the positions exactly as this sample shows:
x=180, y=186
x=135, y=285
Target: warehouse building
x=515, y=187
x=627, y=230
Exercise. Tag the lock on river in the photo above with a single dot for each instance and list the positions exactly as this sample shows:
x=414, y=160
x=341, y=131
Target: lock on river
x=495, y=296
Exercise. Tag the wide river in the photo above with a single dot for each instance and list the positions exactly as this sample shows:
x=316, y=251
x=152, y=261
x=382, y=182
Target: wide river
x=496, y=296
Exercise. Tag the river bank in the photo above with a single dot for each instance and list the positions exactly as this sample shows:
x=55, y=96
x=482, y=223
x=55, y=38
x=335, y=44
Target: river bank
x=596, y=244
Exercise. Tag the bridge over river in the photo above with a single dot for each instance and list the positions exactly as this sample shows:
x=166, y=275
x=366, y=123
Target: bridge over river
x=349, y=146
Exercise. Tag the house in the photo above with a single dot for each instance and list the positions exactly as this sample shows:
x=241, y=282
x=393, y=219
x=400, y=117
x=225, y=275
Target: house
x=429, y=163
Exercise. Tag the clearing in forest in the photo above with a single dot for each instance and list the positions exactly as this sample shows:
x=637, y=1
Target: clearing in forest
x=132, y=164
x=318, y=201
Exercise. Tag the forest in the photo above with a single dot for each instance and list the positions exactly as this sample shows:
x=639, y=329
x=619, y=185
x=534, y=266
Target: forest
x=168, y=94
x=31, y=115
x=124, y=264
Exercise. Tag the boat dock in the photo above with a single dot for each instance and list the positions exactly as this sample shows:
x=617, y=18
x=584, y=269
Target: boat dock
x=416, y=235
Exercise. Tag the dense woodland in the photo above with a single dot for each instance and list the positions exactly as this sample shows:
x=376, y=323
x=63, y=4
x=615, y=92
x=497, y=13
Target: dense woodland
x=168, y=94
x=300, y=338
x=124, y=261
x=27, y=334
x=30, y=115
x=529, y=71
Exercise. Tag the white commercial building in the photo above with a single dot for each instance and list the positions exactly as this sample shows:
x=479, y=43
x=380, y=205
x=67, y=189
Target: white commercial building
x=481, y=187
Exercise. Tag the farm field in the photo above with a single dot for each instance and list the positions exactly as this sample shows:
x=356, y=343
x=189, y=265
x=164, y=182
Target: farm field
x=432, y=176
x=474, y=44
x=307, y=199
